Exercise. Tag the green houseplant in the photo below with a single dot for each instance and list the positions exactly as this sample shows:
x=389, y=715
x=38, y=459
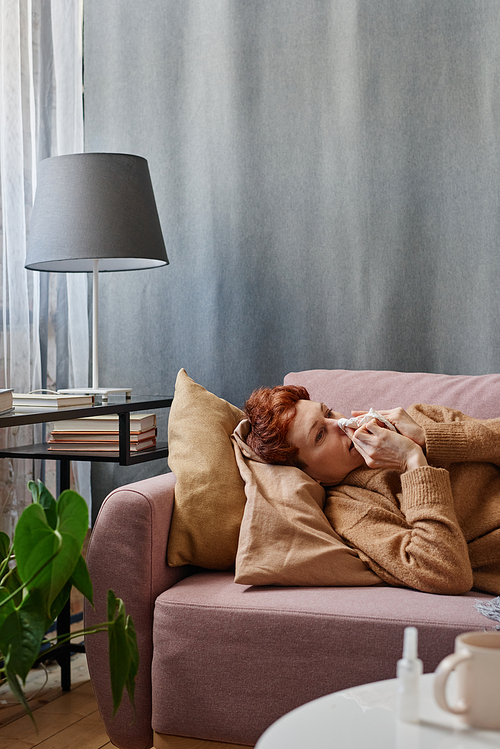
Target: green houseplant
x=37, y=571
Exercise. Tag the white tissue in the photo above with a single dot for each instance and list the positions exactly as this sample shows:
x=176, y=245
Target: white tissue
x=358, y=421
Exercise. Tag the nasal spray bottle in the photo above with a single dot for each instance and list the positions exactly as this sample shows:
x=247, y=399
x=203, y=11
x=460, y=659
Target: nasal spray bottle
x=408, y=672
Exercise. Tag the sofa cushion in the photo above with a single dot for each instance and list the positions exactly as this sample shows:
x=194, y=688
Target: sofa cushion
x=209, y=493
x=230, y=659
x=345, y=390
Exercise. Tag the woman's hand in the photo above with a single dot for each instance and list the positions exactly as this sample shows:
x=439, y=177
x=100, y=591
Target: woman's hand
x=382, y=448
x=403, y=423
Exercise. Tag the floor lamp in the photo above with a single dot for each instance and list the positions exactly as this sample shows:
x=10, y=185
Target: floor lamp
x=95, y=212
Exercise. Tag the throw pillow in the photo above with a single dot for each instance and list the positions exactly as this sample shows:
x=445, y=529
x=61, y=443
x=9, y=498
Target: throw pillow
x=209, y=493
x=285, y=537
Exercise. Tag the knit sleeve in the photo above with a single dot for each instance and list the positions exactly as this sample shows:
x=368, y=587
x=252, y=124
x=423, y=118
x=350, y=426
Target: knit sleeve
x=453, y=437
x=419, y=545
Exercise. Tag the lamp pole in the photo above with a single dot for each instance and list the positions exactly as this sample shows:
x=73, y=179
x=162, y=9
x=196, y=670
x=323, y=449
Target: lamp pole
x=95, y=323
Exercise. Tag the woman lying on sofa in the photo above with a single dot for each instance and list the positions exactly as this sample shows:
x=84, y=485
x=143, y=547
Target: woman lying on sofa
x=421, y=504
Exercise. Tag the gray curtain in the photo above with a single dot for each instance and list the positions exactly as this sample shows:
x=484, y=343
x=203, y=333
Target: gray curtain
x=327, y=174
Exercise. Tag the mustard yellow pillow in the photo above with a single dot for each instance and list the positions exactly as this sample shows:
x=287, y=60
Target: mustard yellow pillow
x=209, y=493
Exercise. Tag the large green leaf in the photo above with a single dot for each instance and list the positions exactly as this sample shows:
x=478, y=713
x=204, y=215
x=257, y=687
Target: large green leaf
x=119, y=657
x=73, y=523
x=73, y=517
x=6, y=608
x=81, y=579
x=36, y=544
x=57, y=604
x=134, y=659
x=123, y=653
x=14, y=683
x=42, y=496
x=22, y=631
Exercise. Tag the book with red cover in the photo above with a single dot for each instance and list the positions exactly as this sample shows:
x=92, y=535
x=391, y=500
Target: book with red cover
x=62, y=436
x=100, y=446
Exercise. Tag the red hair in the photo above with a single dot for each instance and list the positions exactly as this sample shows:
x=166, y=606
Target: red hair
x=270, y=412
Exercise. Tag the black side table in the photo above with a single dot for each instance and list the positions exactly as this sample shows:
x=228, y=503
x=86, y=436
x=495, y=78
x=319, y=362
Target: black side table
x=123, y=456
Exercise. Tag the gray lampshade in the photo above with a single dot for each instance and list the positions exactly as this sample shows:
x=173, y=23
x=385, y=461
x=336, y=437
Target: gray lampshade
x=92, y=206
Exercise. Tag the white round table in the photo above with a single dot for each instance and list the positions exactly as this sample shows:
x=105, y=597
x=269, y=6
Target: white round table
x=364, y=717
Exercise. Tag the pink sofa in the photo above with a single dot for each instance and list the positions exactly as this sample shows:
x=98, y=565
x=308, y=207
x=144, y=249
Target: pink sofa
x=222, y=661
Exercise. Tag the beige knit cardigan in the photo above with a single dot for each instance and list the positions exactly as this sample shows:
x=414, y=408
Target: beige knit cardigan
x=434, y=528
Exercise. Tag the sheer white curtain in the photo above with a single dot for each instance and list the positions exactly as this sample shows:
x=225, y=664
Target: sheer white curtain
x=41, y=115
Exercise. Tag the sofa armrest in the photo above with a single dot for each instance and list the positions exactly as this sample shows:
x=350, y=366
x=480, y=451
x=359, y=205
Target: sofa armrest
x=127, y=553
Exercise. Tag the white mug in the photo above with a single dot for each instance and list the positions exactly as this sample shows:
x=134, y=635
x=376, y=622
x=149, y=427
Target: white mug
x=477, y=663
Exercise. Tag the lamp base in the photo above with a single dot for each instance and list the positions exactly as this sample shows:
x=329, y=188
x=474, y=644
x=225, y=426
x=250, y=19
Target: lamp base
x=103, y=393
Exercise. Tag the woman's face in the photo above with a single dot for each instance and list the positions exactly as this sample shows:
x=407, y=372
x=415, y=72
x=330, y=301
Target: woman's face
x=326, y=450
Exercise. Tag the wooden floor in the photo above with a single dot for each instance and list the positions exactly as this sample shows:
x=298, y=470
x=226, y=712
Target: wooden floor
x=63, y=719
x=67, y=720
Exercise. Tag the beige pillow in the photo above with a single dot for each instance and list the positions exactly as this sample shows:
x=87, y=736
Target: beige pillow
x=285, y=538
x=209, y=493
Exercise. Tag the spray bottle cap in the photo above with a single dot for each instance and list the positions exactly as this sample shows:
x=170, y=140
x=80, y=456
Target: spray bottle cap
x=410, y=643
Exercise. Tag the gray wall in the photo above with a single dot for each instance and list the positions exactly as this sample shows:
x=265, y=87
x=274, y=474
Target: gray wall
x=327, y=175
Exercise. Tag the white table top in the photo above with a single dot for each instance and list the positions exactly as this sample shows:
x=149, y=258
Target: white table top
x=364, y=718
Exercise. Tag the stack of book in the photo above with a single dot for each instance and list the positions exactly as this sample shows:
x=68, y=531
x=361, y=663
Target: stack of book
x=98, y=433
x=28, y=402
